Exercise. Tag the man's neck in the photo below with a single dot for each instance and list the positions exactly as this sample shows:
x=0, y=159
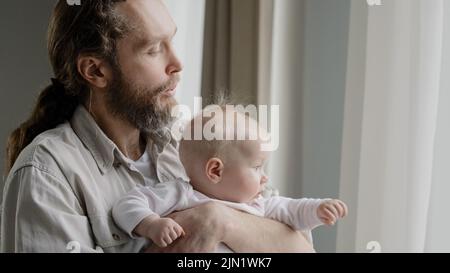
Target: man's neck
x=126, y=137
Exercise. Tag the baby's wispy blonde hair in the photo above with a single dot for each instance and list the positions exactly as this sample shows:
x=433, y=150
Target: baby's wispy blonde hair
x=192, y=148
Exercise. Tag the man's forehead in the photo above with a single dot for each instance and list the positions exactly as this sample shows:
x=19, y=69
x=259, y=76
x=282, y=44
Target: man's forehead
x=148, y=19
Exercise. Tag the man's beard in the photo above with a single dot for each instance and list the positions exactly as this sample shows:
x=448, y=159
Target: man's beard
x=144, y=108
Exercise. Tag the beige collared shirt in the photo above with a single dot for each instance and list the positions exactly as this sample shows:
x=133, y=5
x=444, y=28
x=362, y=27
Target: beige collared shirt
x=59, y=194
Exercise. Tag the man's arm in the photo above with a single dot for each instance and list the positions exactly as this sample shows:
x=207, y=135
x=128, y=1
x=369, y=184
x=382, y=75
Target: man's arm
x=42, y=214
x=249, y=233
x=208, y=225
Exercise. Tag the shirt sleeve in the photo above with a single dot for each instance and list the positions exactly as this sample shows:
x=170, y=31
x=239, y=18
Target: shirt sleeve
x=142, y=202
x=300, y=214
x=41, y=213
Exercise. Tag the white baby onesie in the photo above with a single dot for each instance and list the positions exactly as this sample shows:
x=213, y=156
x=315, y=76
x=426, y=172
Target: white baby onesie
x=165, y=198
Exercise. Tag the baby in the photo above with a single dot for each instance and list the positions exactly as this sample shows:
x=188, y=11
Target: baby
x=226, y=171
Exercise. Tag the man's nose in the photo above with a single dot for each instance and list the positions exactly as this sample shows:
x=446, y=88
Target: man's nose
x=175, y=65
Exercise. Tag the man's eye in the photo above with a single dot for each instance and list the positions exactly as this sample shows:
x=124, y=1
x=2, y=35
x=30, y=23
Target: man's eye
x=154, y=51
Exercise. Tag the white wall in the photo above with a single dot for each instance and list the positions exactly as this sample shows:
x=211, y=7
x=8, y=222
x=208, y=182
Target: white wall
x=189, y=17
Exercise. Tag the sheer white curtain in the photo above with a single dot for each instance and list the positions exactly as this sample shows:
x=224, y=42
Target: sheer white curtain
x=395, y=141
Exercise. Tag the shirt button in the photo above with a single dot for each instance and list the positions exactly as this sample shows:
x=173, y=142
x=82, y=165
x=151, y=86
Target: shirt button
x=116, y=237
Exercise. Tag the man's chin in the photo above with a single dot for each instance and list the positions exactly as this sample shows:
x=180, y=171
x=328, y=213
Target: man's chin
x=167, y=103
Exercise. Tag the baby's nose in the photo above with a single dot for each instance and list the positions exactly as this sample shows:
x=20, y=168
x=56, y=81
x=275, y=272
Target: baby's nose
x=264, y=179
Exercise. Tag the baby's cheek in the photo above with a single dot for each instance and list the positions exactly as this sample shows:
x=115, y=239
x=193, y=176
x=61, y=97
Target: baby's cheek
x=255, y=183
x=243, y=184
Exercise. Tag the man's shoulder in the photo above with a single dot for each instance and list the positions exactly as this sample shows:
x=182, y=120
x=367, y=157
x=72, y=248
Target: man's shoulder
x=47, y=150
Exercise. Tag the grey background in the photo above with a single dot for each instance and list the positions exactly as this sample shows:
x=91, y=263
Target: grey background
x=326, y=31
x=24, y=66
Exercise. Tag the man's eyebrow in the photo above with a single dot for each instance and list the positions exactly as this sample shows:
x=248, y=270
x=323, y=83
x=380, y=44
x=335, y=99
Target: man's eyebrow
x=163, y=37
x=144, y=41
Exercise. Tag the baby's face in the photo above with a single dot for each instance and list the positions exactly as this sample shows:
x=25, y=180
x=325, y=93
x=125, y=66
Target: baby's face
x=244, y=178
x=241, y=178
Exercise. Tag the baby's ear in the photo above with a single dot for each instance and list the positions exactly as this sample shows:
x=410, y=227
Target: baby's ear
x=214, y=170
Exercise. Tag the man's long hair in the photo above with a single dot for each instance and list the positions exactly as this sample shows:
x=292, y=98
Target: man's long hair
x=91, y=28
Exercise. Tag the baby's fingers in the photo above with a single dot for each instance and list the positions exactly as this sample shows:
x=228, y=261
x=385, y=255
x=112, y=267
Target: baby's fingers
x=340, y=209
x=175, y=231
x=173, y=234
x=160, y=242
x=167, y=239
x=333, y=210
x=328, y=217
x=344, y=208
x=179, y=230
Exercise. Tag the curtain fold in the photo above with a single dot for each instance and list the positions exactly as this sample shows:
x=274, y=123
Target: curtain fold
x=237, y=49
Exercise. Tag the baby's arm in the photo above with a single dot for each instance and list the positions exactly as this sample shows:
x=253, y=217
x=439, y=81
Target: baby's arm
x=301, y=214
x=138, y=212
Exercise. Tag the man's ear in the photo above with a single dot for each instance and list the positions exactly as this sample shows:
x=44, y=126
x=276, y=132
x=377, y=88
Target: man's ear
x=214, y=170
x=94, y=70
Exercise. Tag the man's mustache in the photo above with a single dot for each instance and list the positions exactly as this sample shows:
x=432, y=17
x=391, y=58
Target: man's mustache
x=169, y=84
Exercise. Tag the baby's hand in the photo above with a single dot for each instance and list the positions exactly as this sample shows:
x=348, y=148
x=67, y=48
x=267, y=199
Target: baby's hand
x=331, y=210
x=162, y=231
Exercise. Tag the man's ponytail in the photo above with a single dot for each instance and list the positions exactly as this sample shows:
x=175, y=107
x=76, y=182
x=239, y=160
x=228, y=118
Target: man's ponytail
x=54, y=106
x=91, y=28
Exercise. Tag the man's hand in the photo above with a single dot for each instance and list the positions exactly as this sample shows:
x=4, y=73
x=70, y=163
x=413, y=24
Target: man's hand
x=331, y=210
x=208, y=225
x=203, y=230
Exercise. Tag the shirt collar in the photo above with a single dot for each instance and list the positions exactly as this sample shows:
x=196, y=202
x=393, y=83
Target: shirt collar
x=161, y=139
x=104, y=150
x=99, y=145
